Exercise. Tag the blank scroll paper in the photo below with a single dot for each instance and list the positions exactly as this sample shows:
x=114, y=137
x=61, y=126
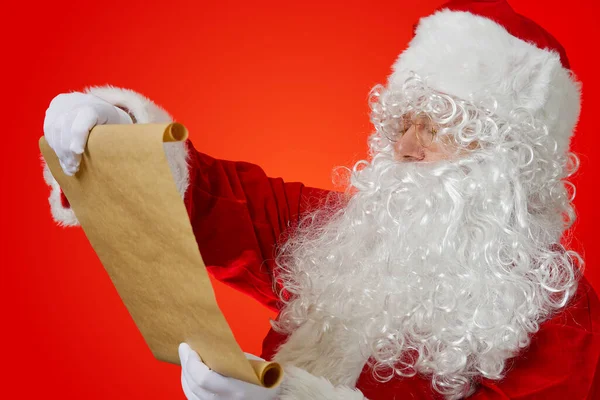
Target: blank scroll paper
x=126, y=201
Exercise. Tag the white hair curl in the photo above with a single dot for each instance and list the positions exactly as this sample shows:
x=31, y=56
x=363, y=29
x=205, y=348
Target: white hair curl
x=444, y=269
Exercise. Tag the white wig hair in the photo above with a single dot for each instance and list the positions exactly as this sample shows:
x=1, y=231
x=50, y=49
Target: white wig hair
x=442, y=269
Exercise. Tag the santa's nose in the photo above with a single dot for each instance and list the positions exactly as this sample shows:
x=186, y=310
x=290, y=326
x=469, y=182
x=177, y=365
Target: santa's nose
x=408, y=148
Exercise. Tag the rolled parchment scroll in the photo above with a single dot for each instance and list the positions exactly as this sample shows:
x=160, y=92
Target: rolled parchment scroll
x=126, y=201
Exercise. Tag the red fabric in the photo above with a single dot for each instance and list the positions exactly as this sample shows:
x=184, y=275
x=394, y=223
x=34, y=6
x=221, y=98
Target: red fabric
x=238, y=215
x=517, y=25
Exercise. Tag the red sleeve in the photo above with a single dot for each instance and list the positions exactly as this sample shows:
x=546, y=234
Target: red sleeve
x=562, y=360
x=238, y=215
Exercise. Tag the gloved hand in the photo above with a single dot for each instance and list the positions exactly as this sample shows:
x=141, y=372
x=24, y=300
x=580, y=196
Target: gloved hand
x=199, y=382
x=68, y=122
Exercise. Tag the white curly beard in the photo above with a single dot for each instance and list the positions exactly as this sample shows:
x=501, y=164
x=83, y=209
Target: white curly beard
x=442, y=269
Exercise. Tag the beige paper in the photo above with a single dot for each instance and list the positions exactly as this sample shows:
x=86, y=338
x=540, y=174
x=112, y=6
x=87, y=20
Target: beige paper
x=126, y=200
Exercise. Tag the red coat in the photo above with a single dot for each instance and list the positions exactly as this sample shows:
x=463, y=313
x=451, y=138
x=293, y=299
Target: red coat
x=238, y=215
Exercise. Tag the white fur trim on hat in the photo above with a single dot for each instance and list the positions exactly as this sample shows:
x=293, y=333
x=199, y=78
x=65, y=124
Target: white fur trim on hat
x=301, y=385
x=472, y=57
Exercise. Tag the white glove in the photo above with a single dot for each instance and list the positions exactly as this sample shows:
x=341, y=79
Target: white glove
x=68, y=122
x=199, y=382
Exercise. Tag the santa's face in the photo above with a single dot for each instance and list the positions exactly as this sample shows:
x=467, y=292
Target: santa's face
x=443, y=267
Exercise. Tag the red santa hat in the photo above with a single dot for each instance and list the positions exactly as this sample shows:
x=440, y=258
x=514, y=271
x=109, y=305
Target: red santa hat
x=473, y=49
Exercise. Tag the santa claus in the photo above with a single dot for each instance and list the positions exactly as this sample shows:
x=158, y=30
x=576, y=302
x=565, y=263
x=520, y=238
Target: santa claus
x=440, y=272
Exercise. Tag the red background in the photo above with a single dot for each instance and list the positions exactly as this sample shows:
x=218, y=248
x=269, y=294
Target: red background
x=282, y=85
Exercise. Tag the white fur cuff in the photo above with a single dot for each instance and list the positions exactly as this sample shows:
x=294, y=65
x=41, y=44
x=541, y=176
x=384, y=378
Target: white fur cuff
x=62, y=215
x=143, y=109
